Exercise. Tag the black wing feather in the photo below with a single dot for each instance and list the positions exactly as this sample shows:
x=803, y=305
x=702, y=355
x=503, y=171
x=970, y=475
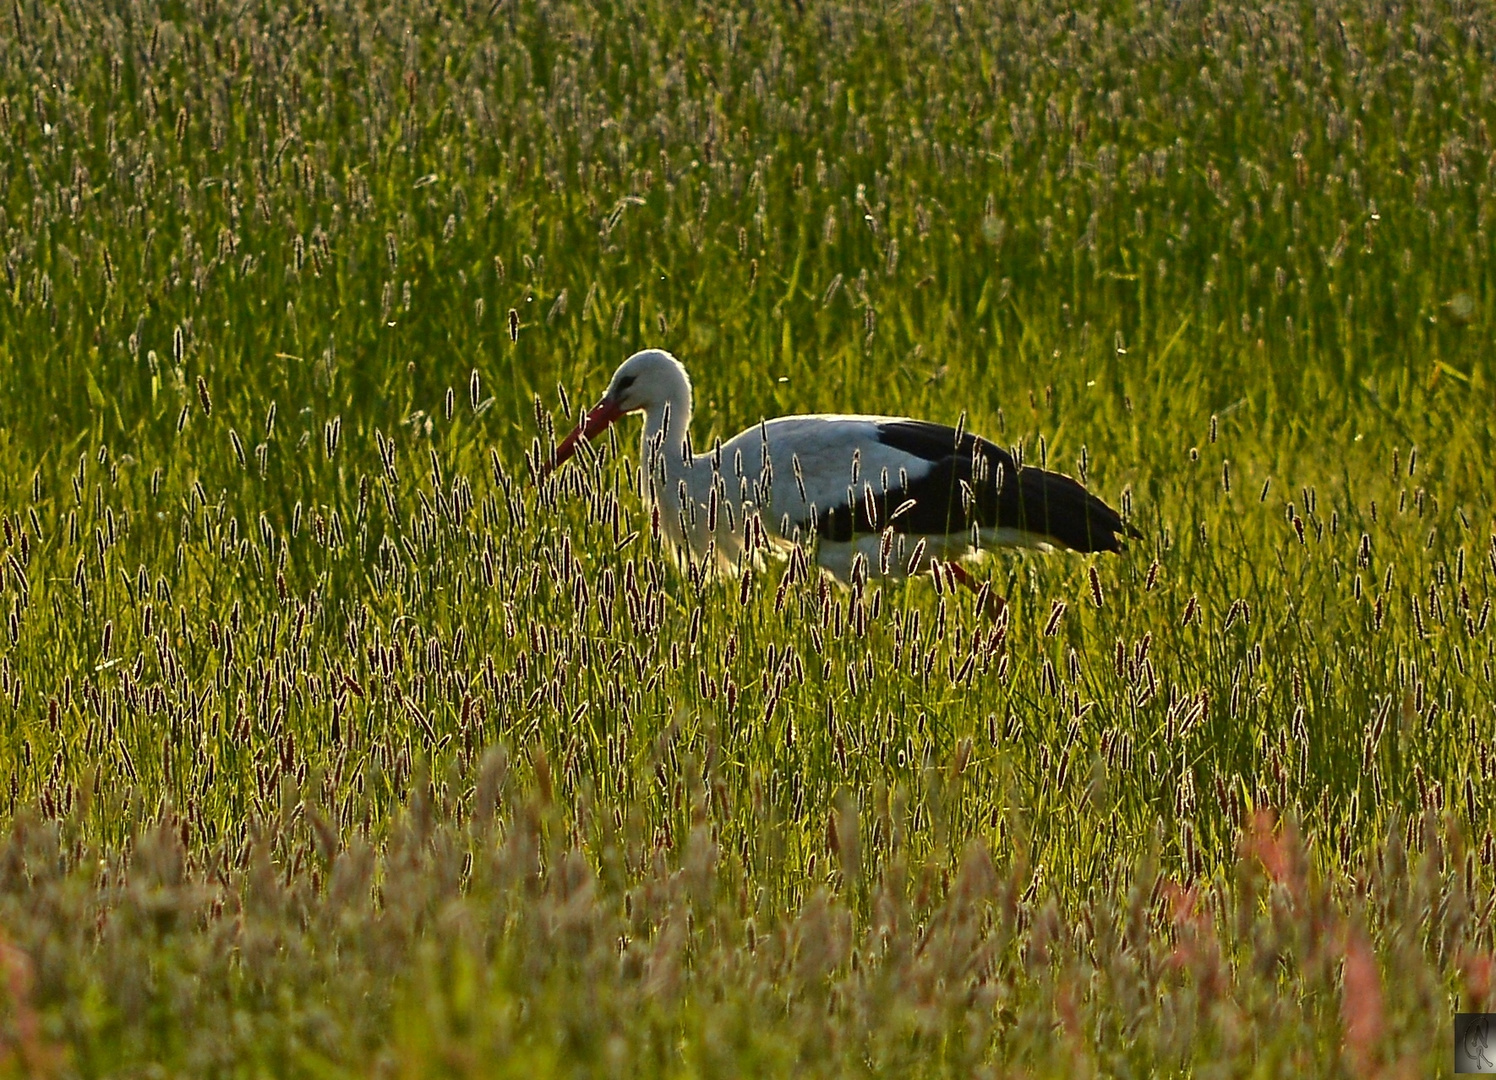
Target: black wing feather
x=970, y=480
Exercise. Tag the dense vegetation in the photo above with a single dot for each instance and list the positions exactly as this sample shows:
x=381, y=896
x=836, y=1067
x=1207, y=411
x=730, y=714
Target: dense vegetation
x=338, y=741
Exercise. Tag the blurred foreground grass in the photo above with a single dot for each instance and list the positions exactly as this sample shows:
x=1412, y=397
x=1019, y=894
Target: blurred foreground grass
x=294, y=301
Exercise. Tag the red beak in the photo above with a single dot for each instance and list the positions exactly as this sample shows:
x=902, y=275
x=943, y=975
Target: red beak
x=592, y=425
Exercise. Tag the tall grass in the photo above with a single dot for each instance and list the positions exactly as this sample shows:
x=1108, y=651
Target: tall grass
x=493, y=946
x=296, y=302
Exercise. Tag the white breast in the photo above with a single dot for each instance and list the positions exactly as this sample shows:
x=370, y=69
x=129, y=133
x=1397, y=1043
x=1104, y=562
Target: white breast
x=788, y=471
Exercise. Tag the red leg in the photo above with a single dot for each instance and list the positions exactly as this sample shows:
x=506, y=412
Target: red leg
x=992, y=607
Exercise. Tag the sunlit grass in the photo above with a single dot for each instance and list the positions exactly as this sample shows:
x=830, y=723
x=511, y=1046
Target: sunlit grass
x=295, y=303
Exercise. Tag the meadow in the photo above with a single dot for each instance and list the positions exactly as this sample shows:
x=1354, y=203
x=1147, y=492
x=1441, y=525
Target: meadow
x=338, y=740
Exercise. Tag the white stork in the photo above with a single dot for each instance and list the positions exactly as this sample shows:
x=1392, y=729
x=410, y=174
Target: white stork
x=900, y=493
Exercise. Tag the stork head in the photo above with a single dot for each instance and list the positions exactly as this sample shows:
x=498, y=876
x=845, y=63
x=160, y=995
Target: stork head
x=646, y=381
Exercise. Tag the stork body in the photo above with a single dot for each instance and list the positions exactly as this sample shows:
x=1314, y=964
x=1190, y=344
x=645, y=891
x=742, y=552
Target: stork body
x=897, y=491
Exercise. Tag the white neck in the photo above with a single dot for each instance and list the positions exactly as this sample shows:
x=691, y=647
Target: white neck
x=664, y=459
x=665, y=427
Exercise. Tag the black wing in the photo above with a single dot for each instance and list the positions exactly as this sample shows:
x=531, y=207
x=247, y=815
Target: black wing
x=970, y=480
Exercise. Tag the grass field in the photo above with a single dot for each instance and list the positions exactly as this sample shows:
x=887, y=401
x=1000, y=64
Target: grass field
x=336, y=745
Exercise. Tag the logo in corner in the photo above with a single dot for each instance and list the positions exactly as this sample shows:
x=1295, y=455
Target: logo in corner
x=1475, y=1043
